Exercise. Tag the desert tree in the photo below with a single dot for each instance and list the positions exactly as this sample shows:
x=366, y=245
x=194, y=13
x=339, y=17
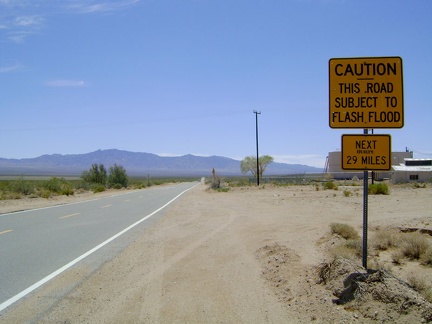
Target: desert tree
x=249, y=163
x=118, y=176
x=96, y=174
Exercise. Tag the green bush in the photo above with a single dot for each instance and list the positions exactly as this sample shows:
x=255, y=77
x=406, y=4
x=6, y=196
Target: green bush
x=57, y=186
x=54, y=184
x=378, y=189
x=44, y=193
x=24, y=187
x=67, y=191
x=117, y=176
x=97, y=174
x=117, y=186
x=98, y=188
x=330, y=185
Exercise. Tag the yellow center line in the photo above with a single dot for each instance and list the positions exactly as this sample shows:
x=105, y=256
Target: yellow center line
x=7, y=231
x=69, y=215
x=106, y=206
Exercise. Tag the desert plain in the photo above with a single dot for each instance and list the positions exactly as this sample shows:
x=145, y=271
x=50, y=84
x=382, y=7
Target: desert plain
x=248, y=255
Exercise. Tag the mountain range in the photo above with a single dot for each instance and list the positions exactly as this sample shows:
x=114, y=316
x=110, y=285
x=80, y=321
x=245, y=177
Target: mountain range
x=138, y=164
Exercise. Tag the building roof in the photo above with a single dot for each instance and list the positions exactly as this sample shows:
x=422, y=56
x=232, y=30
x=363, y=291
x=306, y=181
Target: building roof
x=414, y=168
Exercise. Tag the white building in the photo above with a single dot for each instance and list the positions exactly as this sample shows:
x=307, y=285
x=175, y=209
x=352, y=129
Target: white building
x=404, y=168
x=419, y=170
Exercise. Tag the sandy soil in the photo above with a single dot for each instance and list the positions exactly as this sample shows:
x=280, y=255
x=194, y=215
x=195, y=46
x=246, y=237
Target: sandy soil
x=249, y=255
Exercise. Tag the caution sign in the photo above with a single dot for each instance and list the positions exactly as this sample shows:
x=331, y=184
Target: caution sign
x=366, y=92
x=366, y=152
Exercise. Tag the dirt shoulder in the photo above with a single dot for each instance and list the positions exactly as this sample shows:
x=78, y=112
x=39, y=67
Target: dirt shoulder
x=249, y=255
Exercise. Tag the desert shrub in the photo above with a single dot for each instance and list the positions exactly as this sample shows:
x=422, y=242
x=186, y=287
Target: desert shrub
x=378, y=189
x=67, y=191
x=397, y=257
x=23, y=187
x=419, y=283
x=54, y=184
x=342, y=251
x=215, y=181
x=83, y=186
x=356, y=245
x=14, y=195
x=238, y=182
x=422, y=285
x=140, y=184
x=414, y=245
x=44, y=193
x=223, y=189
x=117, y=186
x=426, y=258
x=98, y=188
x=348, y=249
x=344, y=230
x=379, y=265
x=330, y=185
x=347, y=193
x=385, y=239
x=428, y=294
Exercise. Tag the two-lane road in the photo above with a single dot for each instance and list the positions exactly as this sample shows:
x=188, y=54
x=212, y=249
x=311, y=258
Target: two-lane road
x=37, y=245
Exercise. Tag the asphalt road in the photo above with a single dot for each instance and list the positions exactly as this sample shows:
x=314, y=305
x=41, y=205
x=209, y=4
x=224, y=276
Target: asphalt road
x=37, y=245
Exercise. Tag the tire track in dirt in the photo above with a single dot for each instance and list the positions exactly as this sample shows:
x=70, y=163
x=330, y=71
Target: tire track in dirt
x=155, y=277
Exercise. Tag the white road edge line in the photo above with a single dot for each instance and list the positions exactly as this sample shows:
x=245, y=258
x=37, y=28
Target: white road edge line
x=25, y=292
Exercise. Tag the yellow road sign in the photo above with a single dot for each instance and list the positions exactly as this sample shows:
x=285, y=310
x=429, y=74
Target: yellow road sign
x=366, y=92
x=366, y=152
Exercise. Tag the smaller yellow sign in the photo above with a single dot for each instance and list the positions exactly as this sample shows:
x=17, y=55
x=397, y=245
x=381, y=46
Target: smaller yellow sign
x=366, y=152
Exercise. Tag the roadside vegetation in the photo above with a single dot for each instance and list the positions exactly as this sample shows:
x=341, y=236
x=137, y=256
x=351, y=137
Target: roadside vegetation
x=96, y=179
x=402, y=246
x=250, y=164
x=216, y=182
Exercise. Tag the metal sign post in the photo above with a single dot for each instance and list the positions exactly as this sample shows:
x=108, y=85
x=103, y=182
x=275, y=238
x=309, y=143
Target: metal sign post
x=366, y=93
x=365, y=213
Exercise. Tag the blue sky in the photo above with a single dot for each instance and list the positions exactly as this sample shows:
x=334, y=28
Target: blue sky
x=174, y=77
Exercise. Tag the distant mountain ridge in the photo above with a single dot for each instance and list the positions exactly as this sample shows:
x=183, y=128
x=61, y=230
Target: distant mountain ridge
x=138, y=164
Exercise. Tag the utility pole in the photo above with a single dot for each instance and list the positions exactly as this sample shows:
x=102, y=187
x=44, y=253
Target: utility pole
x=257, y=155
